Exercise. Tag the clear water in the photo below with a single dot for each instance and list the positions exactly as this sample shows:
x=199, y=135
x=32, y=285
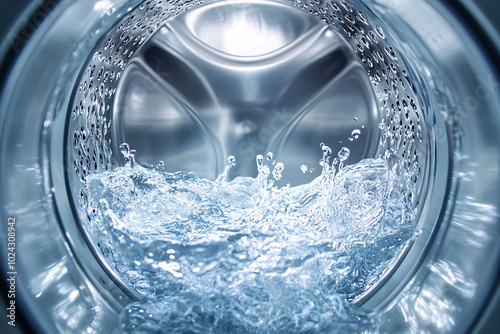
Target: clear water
x=245, y=256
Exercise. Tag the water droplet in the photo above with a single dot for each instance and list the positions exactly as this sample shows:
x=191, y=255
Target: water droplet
x=260, y=161
x=355, y=119
x=269, y=156
x=161, y=165
x=381, y=125
x=303, y=168
x=343, y=153
x=327, y=151
x=125, y=149
x=231, y=160
x=354, y=134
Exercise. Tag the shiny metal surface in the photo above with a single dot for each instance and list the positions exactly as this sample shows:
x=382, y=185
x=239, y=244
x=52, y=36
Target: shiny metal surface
x=457, y=277
x=63, y=288
x=228, y=79
x=52, y=291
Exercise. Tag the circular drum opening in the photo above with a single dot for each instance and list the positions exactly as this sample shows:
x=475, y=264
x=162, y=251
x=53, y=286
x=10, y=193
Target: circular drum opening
x=177, y=181
x=241, y=80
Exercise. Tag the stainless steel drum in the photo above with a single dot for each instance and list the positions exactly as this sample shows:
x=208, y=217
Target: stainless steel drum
x=191, y=82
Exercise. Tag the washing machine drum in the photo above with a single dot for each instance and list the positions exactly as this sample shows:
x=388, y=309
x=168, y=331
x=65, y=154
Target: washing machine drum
x=159, y=167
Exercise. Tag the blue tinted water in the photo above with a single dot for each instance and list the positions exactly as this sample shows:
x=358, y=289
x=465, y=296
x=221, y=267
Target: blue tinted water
x=244, y=256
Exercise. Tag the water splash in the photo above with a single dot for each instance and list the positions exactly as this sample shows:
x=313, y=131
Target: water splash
x=231, y=162
x=128, y=155
x=245, y=256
